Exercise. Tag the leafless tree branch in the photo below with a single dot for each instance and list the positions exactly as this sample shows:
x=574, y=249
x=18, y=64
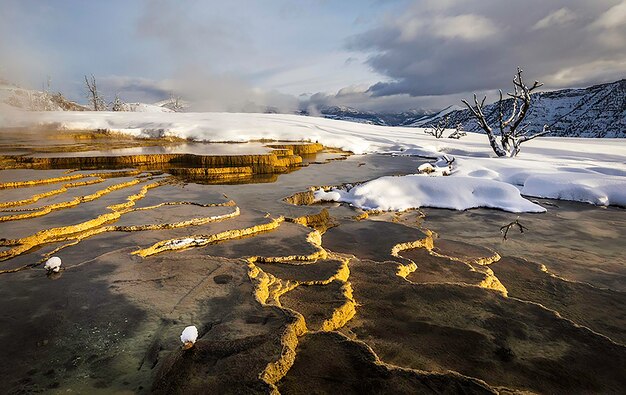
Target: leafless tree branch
x=511, y=131
x=505, y=229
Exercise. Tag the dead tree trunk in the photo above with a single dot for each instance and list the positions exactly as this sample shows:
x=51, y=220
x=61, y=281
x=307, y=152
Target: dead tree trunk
x=93, y=95
x=511, y=131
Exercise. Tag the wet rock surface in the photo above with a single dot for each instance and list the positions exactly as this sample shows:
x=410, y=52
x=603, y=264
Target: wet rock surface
x=479, y=333
x=290, y=297
x=601, y=310
x=331, y=363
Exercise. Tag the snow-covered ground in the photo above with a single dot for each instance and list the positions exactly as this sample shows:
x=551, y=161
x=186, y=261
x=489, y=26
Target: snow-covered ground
x=586, y=170
x=143, y=107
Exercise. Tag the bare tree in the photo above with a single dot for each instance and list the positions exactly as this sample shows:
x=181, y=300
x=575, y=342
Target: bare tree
x=43, y=100
x=117, y=104
x=438, y=130
x=512, y=133
x=93, y=95
x=458, y=132
x=175, y=104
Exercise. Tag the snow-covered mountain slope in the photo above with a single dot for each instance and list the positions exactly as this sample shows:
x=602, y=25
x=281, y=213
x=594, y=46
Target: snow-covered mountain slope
x=32, y=100
x=598, y=111
x=343, y=113
x=175, y=104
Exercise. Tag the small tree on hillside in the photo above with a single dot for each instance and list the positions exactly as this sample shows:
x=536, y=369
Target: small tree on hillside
x=46, y=97
x=117, y=104
x=175, y=103
x=437, y=130
x=512, y=133
x=458, y=132
x=96, y=101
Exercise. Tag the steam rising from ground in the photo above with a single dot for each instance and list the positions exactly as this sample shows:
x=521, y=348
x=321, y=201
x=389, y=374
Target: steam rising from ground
x=227, y=93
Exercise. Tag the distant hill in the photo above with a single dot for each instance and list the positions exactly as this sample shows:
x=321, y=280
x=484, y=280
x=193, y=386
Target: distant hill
x=598, y=111
x=32, y=100
x=373, y=118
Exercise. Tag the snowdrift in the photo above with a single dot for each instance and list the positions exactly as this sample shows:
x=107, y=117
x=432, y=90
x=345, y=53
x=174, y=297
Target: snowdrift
x=416, y=190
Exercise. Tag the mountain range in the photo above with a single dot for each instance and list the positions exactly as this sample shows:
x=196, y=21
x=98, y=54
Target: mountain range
x=374, y=118
x=597, y=111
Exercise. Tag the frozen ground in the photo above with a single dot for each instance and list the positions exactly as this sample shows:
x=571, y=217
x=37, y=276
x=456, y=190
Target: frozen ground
x=586, y=170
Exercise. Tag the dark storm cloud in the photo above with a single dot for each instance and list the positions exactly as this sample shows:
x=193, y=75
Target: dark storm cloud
x=452, y=46
x=131, y=89
x=361, y=98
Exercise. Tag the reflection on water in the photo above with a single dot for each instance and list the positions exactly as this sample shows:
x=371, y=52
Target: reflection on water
x=578, y=241
x=182, y=148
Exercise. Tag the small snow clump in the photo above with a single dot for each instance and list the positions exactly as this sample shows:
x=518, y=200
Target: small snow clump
x=189, y=337
x=53, y=264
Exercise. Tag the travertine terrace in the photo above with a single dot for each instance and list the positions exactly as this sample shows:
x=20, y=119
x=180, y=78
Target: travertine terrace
x=289, y=296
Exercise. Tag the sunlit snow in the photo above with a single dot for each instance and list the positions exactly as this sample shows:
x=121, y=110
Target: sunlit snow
x=586, y=170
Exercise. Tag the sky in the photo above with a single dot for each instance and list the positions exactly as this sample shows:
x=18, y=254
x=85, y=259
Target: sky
x=245, y=55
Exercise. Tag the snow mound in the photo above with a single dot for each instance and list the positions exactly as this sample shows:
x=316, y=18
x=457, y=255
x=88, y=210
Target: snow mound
x=602, y=191
x=414, y=191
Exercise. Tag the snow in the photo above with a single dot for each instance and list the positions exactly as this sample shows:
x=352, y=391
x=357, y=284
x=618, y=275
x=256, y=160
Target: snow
x=189, y=335
x=417, y=190
x=434, y=118
x=586, y=170
x=186, y=242
x=595, y=190
x=53, y=264
x=143, y=107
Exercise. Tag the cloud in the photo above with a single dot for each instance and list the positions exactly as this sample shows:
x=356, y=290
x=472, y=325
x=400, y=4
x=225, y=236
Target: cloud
x=21, y=63
x=468, y=27
x=135, y=89
x=599, y=70
x=199, y=38
x=614, y=17
x=560, y=17
x=235, y=55
x=196, y=34
x=436, y=48
x=359, y=96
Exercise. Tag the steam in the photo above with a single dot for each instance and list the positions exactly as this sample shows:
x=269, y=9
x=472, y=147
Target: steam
x=226, y=92
x=20, y=64
x=200, y=40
